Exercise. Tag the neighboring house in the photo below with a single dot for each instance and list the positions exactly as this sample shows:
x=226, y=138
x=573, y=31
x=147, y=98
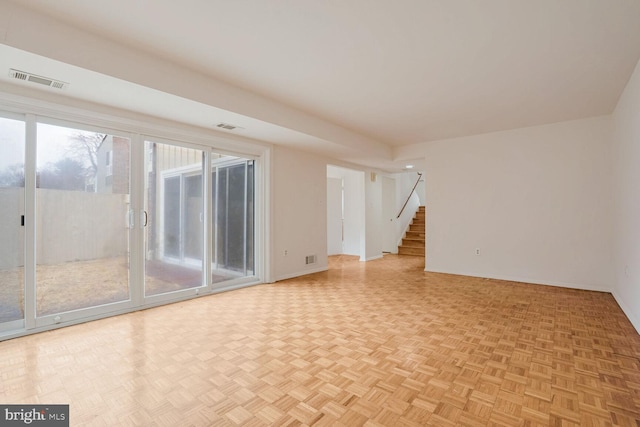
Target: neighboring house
x=112, y=175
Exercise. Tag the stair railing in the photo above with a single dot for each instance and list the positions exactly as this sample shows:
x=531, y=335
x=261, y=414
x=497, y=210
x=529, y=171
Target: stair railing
x=410, y=194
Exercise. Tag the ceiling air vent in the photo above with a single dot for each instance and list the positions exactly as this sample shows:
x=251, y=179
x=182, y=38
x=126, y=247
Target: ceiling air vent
x=28, y=77
x=227, y=126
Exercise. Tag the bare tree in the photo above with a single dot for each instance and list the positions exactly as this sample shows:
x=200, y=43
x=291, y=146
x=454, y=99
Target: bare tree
x=85, y=149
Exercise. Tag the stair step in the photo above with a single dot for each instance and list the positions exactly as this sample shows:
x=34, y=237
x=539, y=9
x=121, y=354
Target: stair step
x=404, y=250
x=412, y=234
x=414, y=243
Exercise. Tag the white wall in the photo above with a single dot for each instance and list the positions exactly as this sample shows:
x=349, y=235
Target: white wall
x=334, y=216
x=388, y=212
x=420, y=191
x=626, y=166
x=373, y=216
x=536, y=201
x=299, y=212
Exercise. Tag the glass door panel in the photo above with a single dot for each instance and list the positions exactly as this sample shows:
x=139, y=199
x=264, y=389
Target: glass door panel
x=192, y=223
x=82, y=210
x=236, y=197
x=171, y=217
x=233, y=219
x=12, y=147
x=250, y=219
x=174, y=206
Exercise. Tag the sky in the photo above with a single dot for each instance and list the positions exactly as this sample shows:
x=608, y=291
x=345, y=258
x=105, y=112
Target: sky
x=11, y=142
x=52, y=145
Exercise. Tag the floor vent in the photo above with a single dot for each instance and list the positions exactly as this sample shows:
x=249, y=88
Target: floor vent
x=28, y=77
x=310, y=259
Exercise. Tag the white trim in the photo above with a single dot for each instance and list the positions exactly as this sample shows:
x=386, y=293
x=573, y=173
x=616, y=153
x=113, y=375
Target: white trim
x=173, y=296
x=229, y=160
x=371, y=258
x=12, y=116
x=81, y=313
x=232, y=286
x=526, y=280
x=301, y=273
x=237, y=283
x=77, y=125
x=635, y=321
x=264, y=244
x=30, y=197
x=180, y=143
x=136, y=233
x=11, y=325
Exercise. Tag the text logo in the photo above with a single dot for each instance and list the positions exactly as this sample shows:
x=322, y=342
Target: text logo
x=34, y=415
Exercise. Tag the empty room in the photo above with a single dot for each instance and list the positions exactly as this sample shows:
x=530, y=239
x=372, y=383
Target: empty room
x=327, y=213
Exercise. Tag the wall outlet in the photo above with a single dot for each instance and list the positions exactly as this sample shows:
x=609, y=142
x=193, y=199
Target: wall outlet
x=477, y=251
x=286, y=252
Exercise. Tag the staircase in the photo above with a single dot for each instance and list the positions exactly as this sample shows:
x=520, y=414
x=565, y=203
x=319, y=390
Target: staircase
x=413, y=242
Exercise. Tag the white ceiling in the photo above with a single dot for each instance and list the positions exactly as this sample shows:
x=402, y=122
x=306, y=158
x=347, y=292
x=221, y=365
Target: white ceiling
x=396, y=72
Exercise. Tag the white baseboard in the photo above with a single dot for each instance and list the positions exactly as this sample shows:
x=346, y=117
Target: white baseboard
x=633, y=318
x=581, y=286
x=301, y=273
x=372, y=258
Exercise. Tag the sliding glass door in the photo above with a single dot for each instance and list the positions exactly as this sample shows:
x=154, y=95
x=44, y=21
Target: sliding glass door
x=174, y=218
x=82, y=220
x=175, y=227
x=12, y=154
x=93, y=221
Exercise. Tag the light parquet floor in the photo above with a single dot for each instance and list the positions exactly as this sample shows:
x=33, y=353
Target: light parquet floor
x=376, y=343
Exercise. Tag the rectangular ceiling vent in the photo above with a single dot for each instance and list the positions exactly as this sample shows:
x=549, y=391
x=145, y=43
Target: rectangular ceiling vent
x=227, y=126
x=28, y=77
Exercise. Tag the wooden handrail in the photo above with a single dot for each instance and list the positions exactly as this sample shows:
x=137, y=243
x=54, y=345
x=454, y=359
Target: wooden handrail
x=410, y=194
